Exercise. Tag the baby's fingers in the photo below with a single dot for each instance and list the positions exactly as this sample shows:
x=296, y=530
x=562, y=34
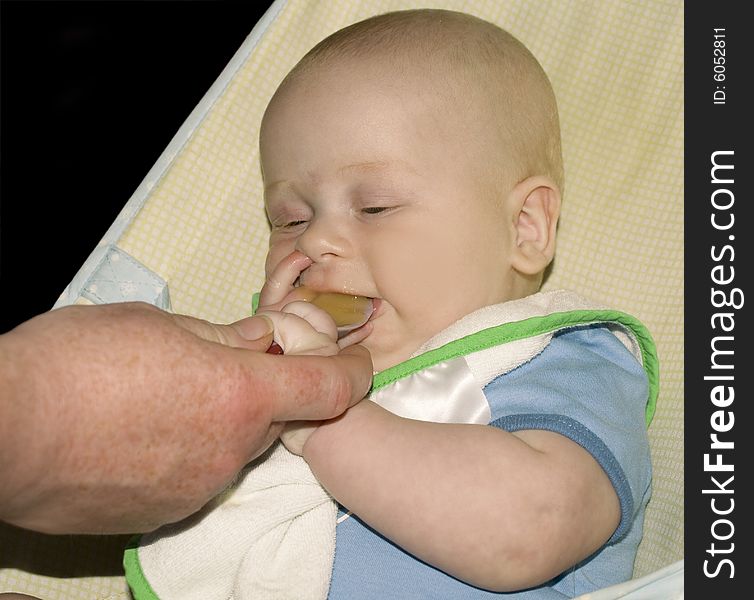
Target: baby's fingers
x=296, y=434
x=356, y=336
x=279, y=282
x=295, y=335
x=313, y=315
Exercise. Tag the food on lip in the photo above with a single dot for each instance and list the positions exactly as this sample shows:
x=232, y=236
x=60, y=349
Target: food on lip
x=347, y=310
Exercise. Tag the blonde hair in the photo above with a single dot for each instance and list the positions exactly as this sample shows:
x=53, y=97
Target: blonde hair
x=487, y=59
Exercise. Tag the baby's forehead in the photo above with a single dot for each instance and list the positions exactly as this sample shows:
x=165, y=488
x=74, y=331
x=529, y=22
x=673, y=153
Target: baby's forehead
x=424, y=64
x=470, y=73
x=460, y=58
x=436, y=83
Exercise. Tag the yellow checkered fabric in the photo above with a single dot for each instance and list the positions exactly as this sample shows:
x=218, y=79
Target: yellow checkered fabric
x=617, y=70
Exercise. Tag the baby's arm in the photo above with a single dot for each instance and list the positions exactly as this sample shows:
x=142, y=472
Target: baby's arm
x=499, y=510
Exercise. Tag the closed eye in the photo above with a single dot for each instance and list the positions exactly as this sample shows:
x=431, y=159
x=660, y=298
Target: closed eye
x=374, y=210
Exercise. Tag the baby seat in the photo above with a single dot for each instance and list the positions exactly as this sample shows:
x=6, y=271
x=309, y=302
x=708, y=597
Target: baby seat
x=192, y=238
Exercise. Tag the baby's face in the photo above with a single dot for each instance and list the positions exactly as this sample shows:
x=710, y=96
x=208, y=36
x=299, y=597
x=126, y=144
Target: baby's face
x=379, y=183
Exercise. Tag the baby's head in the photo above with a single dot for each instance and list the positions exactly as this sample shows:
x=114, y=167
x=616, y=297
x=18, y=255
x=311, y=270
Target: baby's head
x=415, y=158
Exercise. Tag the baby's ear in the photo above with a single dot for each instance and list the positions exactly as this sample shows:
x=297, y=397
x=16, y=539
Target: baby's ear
x=536, y=207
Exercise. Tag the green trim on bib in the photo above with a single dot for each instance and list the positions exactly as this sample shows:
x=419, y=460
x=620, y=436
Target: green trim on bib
x=134, y=575
x=517, y=330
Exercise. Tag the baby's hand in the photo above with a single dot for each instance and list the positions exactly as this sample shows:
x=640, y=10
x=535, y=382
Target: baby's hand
x=275, y=301
x=280, y=294
x=279, y=284
x=302, y=328
x=296, y=433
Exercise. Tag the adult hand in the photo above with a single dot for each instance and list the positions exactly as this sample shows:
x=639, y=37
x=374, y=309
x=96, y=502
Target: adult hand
x=120, y=418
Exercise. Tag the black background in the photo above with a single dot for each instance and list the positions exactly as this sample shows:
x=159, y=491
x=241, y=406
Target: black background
x=92, y=93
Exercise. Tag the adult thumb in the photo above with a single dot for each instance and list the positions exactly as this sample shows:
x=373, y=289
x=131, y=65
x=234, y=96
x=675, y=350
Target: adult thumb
x=255, y=333
x=251, y=333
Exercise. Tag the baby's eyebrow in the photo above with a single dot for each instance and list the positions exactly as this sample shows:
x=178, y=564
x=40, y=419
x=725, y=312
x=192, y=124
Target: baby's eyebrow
x=372, y=165
x=376, y=165
x=369, y=166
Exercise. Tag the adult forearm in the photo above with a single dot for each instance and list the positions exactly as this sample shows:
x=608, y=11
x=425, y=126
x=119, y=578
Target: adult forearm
x=22, y=442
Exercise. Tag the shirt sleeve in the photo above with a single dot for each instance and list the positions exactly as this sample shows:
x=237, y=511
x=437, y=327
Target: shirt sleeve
x=586, y=386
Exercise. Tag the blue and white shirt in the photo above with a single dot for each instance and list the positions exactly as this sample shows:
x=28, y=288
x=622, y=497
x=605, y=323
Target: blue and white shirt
x=584, y=385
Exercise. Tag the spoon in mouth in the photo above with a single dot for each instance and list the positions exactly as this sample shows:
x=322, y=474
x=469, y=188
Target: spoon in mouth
x=347, y=310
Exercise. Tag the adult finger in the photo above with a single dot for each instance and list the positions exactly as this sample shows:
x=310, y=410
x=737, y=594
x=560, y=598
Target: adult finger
x=313, y=387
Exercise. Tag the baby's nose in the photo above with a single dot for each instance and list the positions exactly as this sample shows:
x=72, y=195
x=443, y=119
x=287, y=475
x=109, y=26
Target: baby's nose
x=323, y=239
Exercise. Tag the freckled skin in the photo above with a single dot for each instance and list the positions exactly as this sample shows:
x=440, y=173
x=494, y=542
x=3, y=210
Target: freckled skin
x=118, y=419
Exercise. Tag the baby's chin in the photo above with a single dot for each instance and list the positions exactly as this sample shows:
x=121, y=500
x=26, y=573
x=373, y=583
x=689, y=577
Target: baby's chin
x=384, y=355
x=392, y=341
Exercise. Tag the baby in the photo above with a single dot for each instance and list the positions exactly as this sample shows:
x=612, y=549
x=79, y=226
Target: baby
x=414, y=159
